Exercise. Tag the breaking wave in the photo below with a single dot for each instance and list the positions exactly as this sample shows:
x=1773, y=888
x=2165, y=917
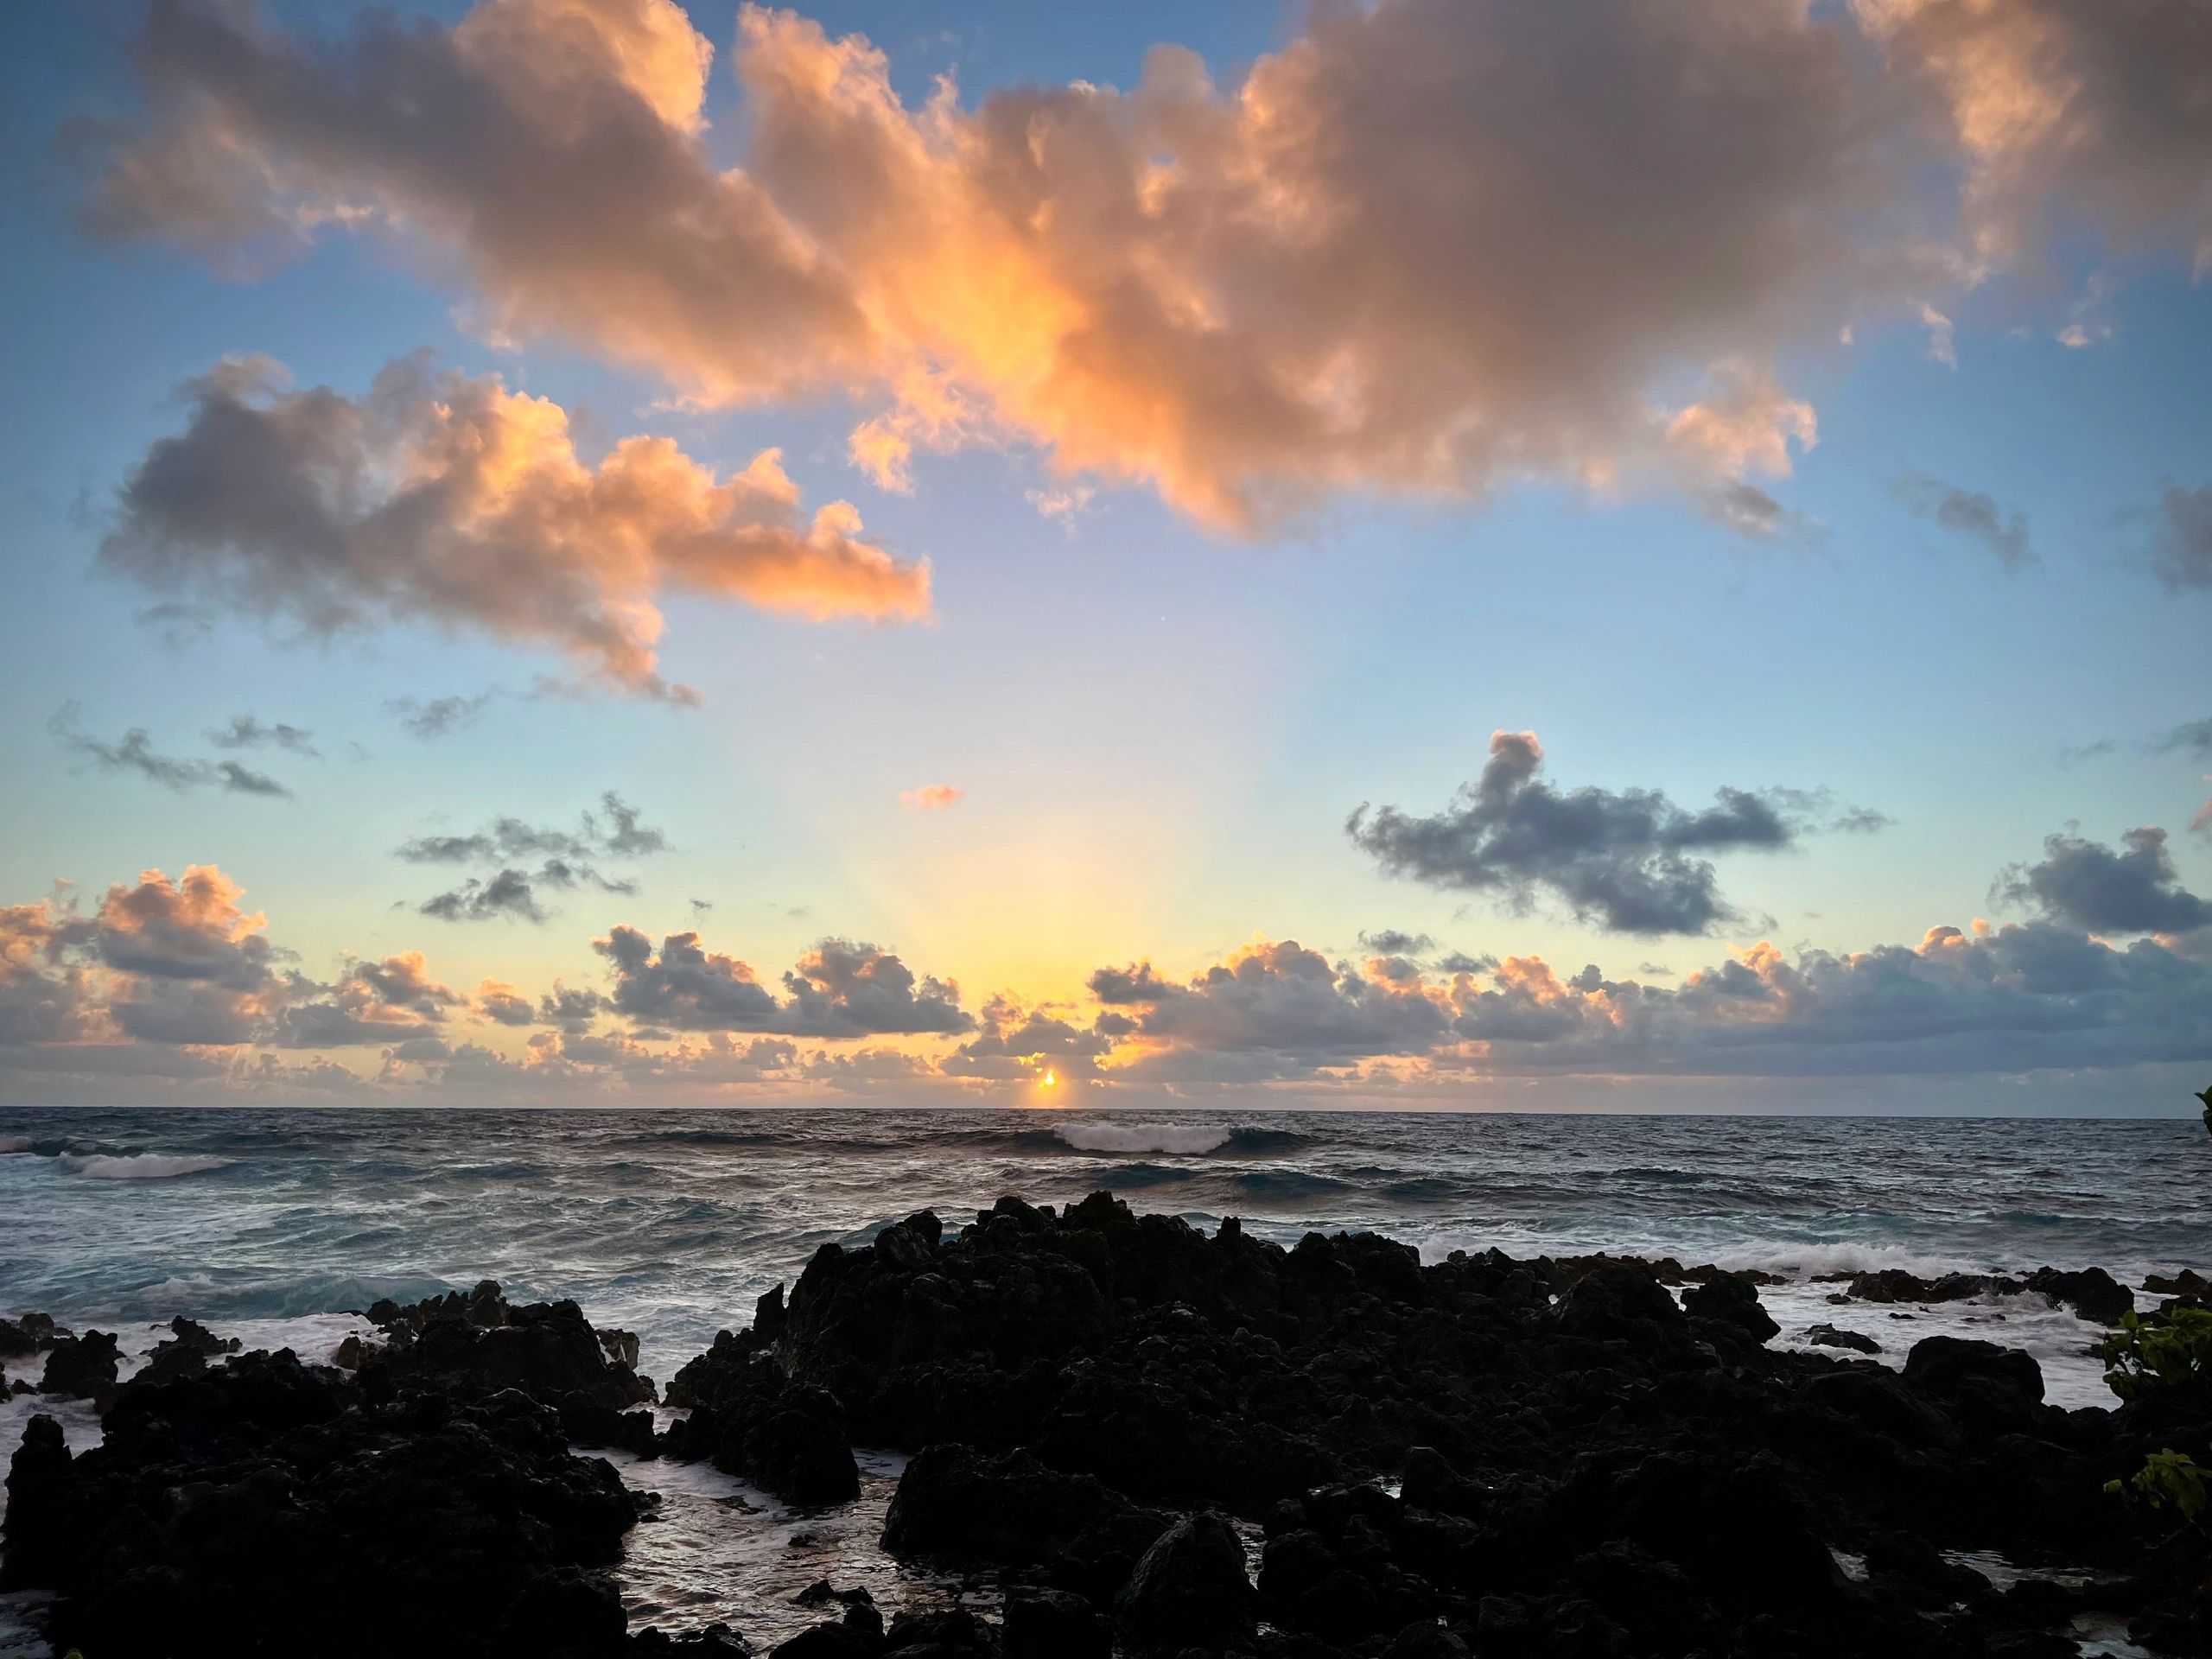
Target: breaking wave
x=142, y=1165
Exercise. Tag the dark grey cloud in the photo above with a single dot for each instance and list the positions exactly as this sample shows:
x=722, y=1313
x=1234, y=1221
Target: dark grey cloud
x=2003, y=535
x=512, y=892
x=2192, y=737
x=1273, y=1009
x=246, y=731
x=839, y=989
x=440, y=717
x=615, y=831
x=2182, y=548
x=2022, y=997
x=507, y=895
x=134, y=753
x=701, y=907
x=1391, y=942
x=573, y=1009
x=1628, y=862
x=2133, y=888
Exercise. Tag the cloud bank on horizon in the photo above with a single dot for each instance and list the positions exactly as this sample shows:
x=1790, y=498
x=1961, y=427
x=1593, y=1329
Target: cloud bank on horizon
x=170, y=983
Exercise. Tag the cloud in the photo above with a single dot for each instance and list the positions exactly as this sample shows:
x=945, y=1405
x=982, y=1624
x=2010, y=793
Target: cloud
x=702, y=906
x=1014, y=1041
x=1427, y=247
x=2131, y=889
x=1390, y=942
x=2191, y=737
x=444, y=497
x=504, y=1004
x=616, y=830
x=2017, y=998
x=134, y=753
x=930, y=798
x=507, y=895
x=440, y=717
x=1628, y=862
x=372, y=1003
x=2061, y=115
x=2183, y=550
x=1272, y=1008
x=246, y=732
x=1970, y=514
x=839, y=989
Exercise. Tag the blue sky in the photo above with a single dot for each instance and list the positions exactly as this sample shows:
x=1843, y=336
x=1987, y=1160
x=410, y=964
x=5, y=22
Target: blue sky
x=1157, y=724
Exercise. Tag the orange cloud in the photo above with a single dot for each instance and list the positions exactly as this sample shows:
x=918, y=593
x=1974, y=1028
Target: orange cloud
x=930, y=798
x=447, y=498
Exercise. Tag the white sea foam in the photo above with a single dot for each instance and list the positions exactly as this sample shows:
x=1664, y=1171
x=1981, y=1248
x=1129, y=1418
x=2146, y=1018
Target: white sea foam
x=11, y=1143
x=1187, y=1140
x=142, y=1165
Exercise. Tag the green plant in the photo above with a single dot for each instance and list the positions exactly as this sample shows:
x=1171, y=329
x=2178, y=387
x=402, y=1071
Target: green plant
x=2145, y=1356
x=2168, y=1480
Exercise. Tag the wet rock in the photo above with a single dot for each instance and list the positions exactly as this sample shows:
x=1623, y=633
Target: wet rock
x=942, y=1633
x=827, y=1642
x=751, y=1418
x=478, y=1345
x=1189, y=1588
x=82, y=1367
x=1895, y=1285
x=2092, y=1293
x=1620, y=1302
x=257, y=1497
x=187, y=1350
x=962, y=1505
x=1055, y=1624
x=2187, y=1282
x=15, y=1343
x=1829, y=1336
x=1957, y=1368
x=716, y=1641
x=1733, y=1301
x=38, y=1479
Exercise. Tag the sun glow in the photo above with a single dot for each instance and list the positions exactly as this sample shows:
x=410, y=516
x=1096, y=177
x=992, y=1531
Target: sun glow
x=1051, y=1078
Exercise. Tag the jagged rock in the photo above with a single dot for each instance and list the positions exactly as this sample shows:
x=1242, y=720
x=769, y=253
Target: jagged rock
x=716, y=1641
x=1189, y=1588
x=82, y=1367
x=1730, y=1301
x=38, y=1479
x=16, y=1342
x=1055, y=1624
x=2092, y=1293
x=478, y=1345
x=257, y=1497
x=944, y=1633
x=956, y=1503
x=750, y=1418
x=1957, y=1367
x=1829, y=1336
x=188, y=1351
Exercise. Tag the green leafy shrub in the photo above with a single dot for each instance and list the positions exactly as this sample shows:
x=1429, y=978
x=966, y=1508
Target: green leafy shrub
x=2145, y=1357
x=2168, y=1480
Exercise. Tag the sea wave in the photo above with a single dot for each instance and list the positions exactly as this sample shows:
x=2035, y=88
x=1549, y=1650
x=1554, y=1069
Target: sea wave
x=142, y=1165
x=11, y=1143
x=1178, y=1139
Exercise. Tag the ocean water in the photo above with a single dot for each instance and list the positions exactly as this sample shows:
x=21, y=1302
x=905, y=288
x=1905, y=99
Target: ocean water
x=670, y=1222
x=275, y=1226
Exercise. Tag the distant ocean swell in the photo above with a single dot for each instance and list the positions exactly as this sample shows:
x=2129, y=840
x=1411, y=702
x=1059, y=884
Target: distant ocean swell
x=670, y=1222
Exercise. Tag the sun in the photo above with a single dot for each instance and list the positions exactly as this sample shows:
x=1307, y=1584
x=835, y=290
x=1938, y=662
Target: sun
x=1051, y=1078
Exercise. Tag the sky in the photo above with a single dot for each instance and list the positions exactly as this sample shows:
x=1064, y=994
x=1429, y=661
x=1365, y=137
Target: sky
x=1651, y=554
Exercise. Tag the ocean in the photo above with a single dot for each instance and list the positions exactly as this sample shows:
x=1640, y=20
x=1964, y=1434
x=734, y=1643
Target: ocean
x=275, y=1225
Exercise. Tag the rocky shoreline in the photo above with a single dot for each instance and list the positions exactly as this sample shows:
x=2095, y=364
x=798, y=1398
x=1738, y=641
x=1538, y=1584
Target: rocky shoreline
x=1148, y=1440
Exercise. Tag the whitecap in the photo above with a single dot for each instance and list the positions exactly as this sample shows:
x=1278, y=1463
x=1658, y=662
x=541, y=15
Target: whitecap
x=1187, y=1140
x=13, y=1143
x=142, y=1165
